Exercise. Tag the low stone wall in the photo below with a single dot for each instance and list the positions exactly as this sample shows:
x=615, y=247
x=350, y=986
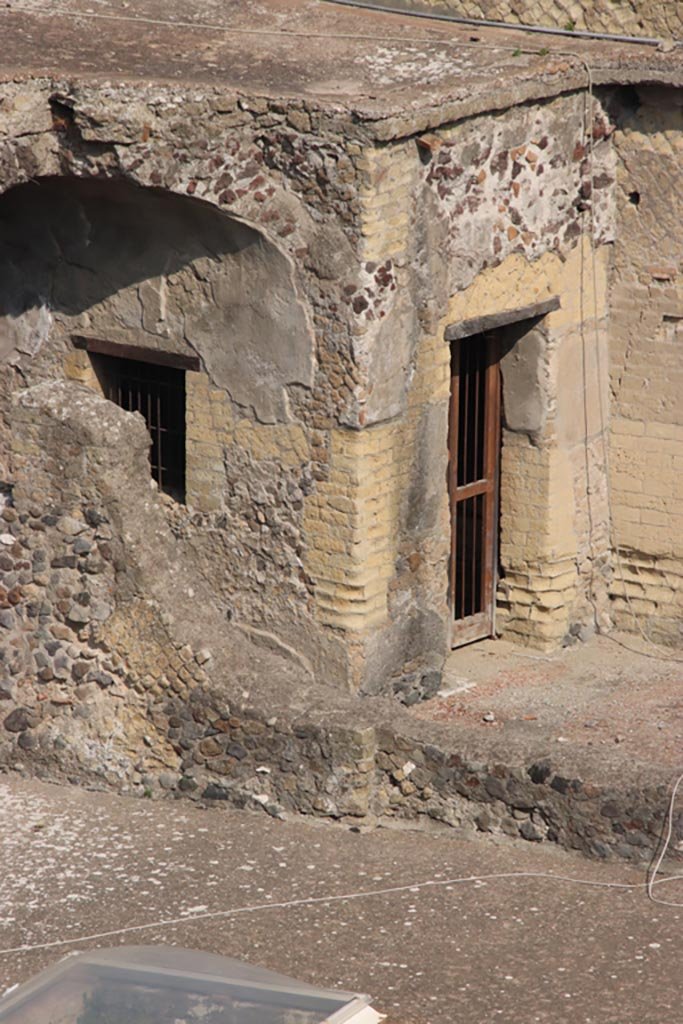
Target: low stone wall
x=119, y=670
x=361, y=761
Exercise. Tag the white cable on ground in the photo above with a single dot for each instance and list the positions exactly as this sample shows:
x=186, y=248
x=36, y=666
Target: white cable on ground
x=652, y=879
x=432, y=883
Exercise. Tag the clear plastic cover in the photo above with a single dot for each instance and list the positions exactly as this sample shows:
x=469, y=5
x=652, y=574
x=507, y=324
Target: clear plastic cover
x=166, y=985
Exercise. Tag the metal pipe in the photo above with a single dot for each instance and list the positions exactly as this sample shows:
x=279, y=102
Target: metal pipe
x=482, y=23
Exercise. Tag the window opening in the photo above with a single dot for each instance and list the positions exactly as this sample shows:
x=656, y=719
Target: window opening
x=158, y=394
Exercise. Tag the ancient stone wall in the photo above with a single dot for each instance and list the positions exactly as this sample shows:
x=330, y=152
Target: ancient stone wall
x=321, y=274
x=149, y=644
x=618, y=17
x=489, y=215
x=646, y=373
x=263, y=307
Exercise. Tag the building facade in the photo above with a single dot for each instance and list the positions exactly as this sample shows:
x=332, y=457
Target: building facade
x=399, y=384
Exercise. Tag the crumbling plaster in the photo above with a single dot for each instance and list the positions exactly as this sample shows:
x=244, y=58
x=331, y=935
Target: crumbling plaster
x=318, y=481
x=113, y=261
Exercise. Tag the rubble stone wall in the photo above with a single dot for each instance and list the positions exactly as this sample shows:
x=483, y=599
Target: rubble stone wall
x=646, y=372
x=315, y=288
x=115, y=242
x=492, y=214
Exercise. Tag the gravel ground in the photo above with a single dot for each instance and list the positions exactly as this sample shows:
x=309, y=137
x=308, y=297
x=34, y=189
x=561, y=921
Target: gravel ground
x=527, y=950
x=612, y=697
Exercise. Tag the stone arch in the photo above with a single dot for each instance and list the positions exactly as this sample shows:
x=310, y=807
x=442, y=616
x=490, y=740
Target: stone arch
x=147, y=266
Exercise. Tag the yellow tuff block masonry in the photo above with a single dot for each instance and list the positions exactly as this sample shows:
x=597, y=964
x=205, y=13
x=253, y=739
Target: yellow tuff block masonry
x=350, y=524
x=212, y=428
x=388, y=178
x=646, y=338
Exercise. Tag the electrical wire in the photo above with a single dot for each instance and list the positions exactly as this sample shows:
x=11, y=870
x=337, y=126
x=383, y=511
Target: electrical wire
x=203, y=26
x=652, y=882
x=63, y=12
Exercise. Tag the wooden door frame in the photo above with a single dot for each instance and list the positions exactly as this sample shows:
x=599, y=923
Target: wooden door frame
x=458, y=332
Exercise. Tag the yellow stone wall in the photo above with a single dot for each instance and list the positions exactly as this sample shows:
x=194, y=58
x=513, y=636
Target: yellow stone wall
x=387, y=204
x=351, y=528
x=646, y=342
x=360, y=552
x=553, y=514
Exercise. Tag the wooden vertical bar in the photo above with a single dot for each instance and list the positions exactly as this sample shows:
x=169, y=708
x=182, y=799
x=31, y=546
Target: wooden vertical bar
x=491, y=452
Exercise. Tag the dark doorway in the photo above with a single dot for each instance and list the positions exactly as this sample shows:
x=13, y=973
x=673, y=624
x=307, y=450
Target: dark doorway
x=158, y=394
x=474, y=454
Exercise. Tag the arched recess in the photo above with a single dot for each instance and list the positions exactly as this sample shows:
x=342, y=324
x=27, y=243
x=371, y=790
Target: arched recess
x=147, y=267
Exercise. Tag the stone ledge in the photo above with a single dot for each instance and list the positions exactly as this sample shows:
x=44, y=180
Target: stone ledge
x=297, y=748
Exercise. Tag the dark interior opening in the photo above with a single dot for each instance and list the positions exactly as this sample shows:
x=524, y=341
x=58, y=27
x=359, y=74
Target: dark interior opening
x=470, y=362
x=158, y=394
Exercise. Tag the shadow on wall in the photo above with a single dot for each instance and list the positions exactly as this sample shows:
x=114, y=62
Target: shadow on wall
x=154, y=268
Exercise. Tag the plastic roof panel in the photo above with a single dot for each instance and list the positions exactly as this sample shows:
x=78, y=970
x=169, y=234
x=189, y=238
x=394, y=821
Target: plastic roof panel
x=166, y=985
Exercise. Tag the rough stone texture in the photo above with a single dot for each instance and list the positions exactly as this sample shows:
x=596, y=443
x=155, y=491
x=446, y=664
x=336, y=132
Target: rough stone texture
x=109, y=682
x=108, y=259
x=619, y=17
x=313, y=288
x=312, y=254
x=527, y=947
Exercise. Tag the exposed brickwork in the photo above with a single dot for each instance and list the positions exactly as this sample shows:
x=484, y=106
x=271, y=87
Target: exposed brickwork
x=647, y=376
x=351, y=528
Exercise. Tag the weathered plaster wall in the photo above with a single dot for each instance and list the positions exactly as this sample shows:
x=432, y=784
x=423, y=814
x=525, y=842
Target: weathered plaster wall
x=169, y=274
x=646, y=371
x=621, y=17
x=492, y=218
x=260, y=296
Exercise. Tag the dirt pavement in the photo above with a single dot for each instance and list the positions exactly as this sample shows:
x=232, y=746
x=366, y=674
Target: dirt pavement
x=523, y=950
x=613, y=699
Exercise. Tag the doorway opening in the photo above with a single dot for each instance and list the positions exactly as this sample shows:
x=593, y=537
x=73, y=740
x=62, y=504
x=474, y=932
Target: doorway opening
x=474, y=456
x=474, y=447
